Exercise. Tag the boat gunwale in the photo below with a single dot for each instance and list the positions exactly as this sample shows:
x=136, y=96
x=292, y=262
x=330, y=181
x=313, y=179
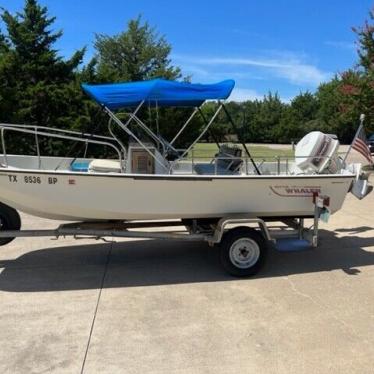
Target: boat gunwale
x=174, y=177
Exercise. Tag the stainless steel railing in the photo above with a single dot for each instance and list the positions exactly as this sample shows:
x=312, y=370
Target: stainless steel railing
x=84, y=135
x=54, y=129
x=279, y=164
x=267, y=164
x=35, y=130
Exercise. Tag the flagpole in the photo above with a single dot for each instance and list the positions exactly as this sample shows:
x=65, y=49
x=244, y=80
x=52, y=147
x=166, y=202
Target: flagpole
x=362, y=119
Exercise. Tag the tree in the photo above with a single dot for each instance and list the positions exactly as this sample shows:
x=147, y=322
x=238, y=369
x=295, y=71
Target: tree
x=352, y=92
x=136, y=54
x=42, y=86
x=266, y=119
x=363, y=79
x=297, y=118
x=365, y=51
x=244, y=118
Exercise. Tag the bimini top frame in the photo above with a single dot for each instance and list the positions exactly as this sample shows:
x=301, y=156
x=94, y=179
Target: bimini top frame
x=160, y=93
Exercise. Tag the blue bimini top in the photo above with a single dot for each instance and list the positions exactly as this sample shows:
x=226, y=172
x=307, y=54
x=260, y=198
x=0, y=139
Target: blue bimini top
x=158, y=92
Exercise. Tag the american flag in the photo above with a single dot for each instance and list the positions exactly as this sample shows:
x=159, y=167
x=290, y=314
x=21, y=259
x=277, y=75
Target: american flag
x=360, y=145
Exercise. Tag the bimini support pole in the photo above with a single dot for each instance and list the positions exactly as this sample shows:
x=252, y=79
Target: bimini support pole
x=204, y=131
x=241, y=141
x=143, y=126
x=185, y=125
x=134, y=113
x=210, y=130
x=129, y=132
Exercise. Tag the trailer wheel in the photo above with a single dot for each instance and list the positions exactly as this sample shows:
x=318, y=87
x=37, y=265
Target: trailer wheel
x=9, y=220
x=243, y=251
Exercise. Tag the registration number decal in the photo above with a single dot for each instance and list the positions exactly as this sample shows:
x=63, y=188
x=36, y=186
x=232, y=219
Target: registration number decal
x=32, y=179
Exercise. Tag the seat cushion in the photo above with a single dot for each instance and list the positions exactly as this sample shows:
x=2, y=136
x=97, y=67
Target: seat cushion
x=80, y=166
x=105, y=166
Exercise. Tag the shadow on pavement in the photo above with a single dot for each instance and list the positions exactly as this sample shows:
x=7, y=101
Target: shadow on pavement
x=147, y=263
x=356, y=230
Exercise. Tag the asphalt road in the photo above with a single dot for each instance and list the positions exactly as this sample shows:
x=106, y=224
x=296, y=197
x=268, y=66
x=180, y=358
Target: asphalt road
x=167, y=307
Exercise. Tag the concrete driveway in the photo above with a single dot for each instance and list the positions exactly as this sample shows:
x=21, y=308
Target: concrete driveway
x=167, y=307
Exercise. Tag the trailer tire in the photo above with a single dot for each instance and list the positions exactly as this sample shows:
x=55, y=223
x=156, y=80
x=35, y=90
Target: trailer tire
x=9, y=220
x=243, y=251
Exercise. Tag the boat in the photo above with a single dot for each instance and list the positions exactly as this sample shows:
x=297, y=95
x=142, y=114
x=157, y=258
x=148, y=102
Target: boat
x=149, y=183
x=151, y=179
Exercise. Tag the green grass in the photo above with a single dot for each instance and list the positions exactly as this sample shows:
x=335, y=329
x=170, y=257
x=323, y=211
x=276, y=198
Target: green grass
x=208, y=150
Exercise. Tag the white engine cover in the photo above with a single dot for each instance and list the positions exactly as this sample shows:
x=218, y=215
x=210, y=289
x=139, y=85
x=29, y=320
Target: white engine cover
x=315, y=151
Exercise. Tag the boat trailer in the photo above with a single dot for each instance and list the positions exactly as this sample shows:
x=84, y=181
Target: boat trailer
x=243, y=239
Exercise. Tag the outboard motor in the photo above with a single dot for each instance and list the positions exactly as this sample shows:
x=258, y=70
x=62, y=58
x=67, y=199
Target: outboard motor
x=317, y=153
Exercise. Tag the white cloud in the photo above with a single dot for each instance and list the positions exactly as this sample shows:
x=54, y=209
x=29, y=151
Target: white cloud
x=341, y=45
x=244, y=94
x=202, y=72
x=288, y=67
x=195, y=70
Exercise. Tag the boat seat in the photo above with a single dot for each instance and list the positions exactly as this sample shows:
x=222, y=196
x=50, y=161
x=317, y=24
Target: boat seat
x=228, y=161
x=105, y=166
x=229, y=158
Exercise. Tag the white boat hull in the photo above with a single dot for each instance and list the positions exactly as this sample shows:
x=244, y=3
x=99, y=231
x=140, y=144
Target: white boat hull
x=87, y=196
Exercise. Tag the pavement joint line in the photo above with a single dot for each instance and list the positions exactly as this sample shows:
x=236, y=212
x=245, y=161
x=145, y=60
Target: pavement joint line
x=96, y=307
x=322, y=305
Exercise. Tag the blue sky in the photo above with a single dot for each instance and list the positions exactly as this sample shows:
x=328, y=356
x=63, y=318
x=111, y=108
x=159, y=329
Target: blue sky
x=286, y=46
